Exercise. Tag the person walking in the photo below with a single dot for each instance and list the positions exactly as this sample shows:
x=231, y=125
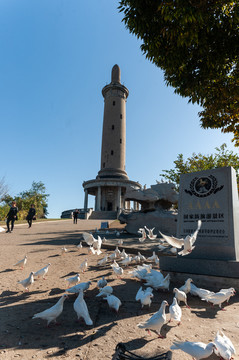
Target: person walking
x=75, y=216
x=12, y=216
x=31, y=215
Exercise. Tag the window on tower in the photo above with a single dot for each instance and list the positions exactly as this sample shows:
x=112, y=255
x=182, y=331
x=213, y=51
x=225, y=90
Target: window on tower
x=113, y=127
x=120, y=116
x=103, y=165
x=112, y=152
x=113, y=103
x=120, y=141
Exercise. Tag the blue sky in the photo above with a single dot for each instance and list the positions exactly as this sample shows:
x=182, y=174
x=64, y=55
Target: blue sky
x=56, y=56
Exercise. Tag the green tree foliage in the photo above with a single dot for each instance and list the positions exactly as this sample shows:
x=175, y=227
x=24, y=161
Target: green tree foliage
x=197, y=162
x=196, y=44
x=36, y=195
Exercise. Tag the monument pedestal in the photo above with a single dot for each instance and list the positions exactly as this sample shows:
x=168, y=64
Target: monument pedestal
x=220, y=268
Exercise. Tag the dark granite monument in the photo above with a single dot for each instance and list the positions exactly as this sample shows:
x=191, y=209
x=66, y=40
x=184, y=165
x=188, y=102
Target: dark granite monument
x=212, y=197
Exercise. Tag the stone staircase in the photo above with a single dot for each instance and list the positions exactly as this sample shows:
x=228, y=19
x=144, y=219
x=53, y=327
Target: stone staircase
x=104, y=215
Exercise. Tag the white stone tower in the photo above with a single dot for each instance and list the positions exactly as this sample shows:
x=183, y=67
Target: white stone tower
x=111, y=183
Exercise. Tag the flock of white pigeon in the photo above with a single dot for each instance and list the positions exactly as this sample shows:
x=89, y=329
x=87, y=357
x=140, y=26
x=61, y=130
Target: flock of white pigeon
x=152, y=279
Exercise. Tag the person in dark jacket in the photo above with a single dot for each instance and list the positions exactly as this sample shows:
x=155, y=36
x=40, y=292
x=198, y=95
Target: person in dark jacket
x=12, y=216
x=75, y=216
x=31, y=215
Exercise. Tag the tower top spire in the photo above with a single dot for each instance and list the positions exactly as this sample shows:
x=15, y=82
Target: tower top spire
x=115, y=74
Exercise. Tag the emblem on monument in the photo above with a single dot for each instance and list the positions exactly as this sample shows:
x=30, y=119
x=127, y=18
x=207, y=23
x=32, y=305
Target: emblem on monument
x=204, y=186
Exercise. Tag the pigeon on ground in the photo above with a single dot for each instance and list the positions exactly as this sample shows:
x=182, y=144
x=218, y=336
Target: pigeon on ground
x=142, y=257
x=123, y=254
x=104, y=241
x=186, y=243
x=102, y=283
x=162, y=247
x=53, y=312
x=73, y=280
x=63, y=250
x=91, y=250
x=175, y=311
x=144, y=296
x=113, y=256
x=21, y=263
x=126, y=261
x=106, y=290
x=156, y=321
x=181, y=296
x=117, y=251
x=136, y=258
x=103, y=261
x=2, y=229
x=97, y=245
x=140, y=273
x=42, y=272
x=117, y=233
x=164, y=284
x=156, y=260
x=197, y=350
x=26, y=283
x=79, y=246
x=83, y=266
x=143, y=235
x=81, y=309
x=151, y=235
x=224, y=347
x=153, y=257
x=113, y=302
x=83, y=286
x=117, y=270
x=154, y=278
x=231, y=291
x=200, y=292
x=120, y=242
x=187, y=286
x=218, y=298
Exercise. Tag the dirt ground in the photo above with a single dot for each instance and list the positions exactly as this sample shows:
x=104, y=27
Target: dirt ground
x=27, y=338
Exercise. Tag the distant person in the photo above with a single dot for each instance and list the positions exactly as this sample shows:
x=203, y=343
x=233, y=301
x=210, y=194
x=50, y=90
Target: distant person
x=12, y=216
x=31, y=215
x=75, y=216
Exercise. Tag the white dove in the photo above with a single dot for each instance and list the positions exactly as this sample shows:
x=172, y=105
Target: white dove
x=154, y=278
x=113, y=256
x=139, y=273
x=231, y=291
x=186, y=243
x=88, y=238
x=156, y=321
x=102, y=282
x=97, y=245
x=162, y=247
x=197, y=350
x=117, y=270
x=53, y=312
x=142, y=257
x=63, y=250
x=79, y=246
x=82, y=286
x=123, y=254
x=42, y=272
x=224, y=347
x=144, y=296
x=143, y=235
x=150, y=235
x=2, y=229
x=106, y=290
x=126, y=261
x=83, y=266
x=156, y=260
x=187, y=286
x=103, y=261
x=117, y=251
x=73, y=280
x=91, y=250
x=164, y=284
x=21, y=263
x=26, y=283
x=81, y=309
x=104, y=241
x=153, y=257
x=120, y=242
x=136, y=258
x=200, y=292
x=113, y=302
x=218, y=298
x=175, y=311
x=181, y=296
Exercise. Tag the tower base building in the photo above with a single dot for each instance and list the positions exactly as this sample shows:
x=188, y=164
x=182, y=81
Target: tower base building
x=112, y=181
